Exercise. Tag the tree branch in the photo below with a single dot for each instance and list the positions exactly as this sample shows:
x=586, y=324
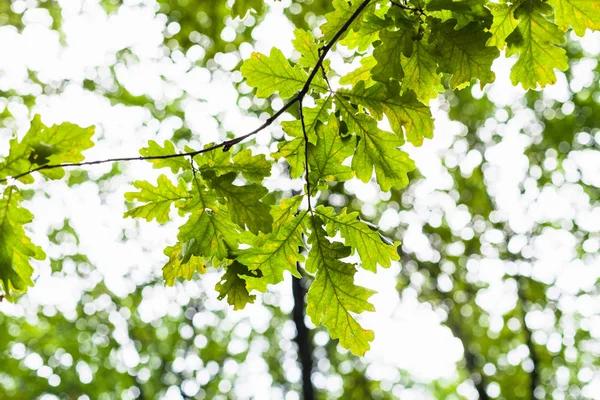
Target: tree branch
x=226, y=145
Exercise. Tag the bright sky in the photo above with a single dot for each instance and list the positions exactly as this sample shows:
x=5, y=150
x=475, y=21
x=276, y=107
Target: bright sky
x=408, y=334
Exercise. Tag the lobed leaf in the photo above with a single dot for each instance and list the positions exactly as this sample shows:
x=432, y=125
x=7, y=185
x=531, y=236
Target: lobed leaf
x=243, y=203
x=333, y=295
x=158, y=199
x=181, y=264
x=176, y=164
x=535, y=40
x=273, y=254
x=579, y=14
x=16, y=248
x=43, y=145
x=367, y=241
x=325, y=159
x=463, y=53
x=233, y=286
x=504, y=23
x=273, y=73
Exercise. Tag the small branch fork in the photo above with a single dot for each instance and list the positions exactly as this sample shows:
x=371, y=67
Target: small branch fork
x=404, y=6
x=226, y=145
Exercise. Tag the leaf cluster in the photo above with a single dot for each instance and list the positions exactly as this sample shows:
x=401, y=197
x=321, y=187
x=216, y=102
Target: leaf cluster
x=409, y=51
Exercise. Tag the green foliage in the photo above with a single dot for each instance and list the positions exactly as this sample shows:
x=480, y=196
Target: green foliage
x=333, y=295
x=158, y=199
x=43, y=145
x=15, y=247
x=409, y=52
x=535, y=39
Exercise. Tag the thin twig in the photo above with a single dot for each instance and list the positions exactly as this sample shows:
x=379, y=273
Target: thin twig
x=306, y=169
x=226, y=145
x=325, y=78
x=406, y=7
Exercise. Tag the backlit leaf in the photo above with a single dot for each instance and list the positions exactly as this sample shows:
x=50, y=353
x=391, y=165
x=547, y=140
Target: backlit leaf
x=16, y=248
x=274, y=253
x=536, y=40
x=181, y=264
x=333, y=295
x=463, y=53
x=579, y=14
x=158, y=199
x=233, y=286
x=273, y=73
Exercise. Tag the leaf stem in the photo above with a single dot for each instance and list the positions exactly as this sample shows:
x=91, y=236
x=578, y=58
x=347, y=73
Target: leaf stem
x=306, y=143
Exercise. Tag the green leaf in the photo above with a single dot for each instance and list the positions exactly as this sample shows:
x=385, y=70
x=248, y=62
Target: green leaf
x=362, y=73
x=580, y=14
x=253, y=168
x=43, y=145
x=336, y=19
x=463, y=12
x=15, y=247
x=209, y=231
x=293, y=152
x=379, y=149
x=369, y=244
x=420, y=73
x=243, y=203
x=402, y=111
x=326, y=158
x=536, y=40
x=57, y=144
x=273, y=254
x=241, y=7
x=181, y=264
x=273, y=73
x=463, y=53
x=233, y=286
x=175, y=164
x=333, y=295
x=368, y=33
x=304, y=42
x=284, y=212
x=158, y=198
x=504, y=23
x=394, y=44
x=17, y=161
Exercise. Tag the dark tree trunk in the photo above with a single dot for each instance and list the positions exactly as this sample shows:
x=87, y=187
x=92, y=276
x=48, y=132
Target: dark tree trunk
x=303, y=339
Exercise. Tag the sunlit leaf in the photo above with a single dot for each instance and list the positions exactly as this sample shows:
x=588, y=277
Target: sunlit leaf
x=333, y=295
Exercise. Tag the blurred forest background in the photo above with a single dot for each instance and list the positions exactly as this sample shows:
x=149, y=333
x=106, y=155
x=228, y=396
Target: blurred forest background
x=500, y=225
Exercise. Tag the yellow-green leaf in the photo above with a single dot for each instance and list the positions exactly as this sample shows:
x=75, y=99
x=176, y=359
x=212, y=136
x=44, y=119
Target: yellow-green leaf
x=579, y=14
x=536, y=40
x=333, y=295
x=175, y=164
x=273, y=254
x=16, y=248
x=273, y=73
x=181, y=264
x=326, y=157
x=367, y=241
x=158, y=199
x=504, y=23
x=420, y=73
